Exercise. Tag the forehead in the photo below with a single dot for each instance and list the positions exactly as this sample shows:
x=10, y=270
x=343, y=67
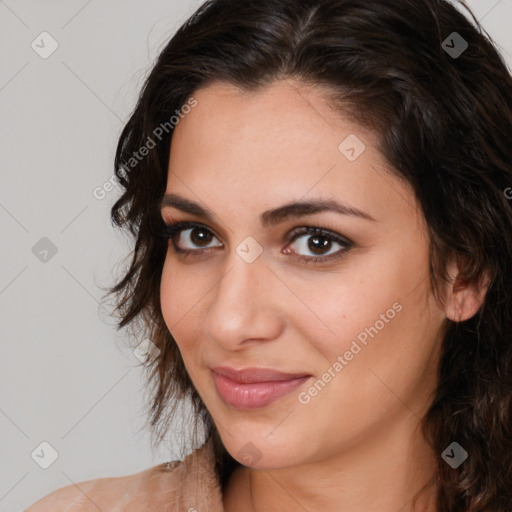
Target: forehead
x=286, y=112
x=284, y=141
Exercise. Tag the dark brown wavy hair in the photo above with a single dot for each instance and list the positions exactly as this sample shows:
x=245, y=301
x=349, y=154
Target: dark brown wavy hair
x=444, y=123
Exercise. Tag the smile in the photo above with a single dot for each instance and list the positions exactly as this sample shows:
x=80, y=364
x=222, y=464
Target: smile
x=254, y=395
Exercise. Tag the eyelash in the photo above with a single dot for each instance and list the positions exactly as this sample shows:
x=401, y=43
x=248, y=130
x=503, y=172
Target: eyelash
x=170, y=231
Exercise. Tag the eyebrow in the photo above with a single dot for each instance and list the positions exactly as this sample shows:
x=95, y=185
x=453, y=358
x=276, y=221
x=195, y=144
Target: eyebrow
x=273, y=216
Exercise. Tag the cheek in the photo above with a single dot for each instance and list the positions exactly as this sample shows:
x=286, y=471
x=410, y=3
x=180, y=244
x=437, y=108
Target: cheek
x=383, y=365
x=362, y=331
x=388, y=348
x=383, y=303
x=177, y=297
x=168, y=297
x=347, y=307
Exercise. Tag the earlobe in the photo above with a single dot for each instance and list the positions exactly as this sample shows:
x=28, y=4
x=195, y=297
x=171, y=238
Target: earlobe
x=463, y=298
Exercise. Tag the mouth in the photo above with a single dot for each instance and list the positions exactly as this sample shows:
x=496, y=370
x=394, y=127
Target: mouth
x=253, y=388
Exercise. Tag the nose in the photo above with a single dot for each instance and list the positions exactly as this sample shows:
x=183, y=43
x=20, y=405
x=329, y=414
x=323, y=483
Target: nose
x=245, y=305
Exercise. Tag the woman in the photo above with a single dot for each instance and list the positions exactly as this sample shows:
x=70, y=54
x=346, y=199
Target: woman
x=318, y=194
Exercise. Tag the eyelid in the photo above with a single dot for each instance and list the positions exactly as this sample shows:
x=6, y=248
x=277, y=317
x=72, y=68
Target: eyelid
x=309, y=231
x=315, y=230
x=171, y=230
x=174, y=228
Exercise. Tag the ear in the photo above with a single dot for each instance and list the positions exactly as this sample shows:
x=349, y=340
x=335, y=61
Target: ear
x=463, y=299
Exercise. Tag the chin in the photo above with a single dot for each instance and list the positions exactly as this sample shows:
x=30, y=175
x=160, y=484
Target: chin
x=259, y=452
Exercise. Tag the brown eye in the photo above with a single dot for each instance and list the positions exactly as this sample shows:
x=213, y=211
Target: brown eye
x=317, y=244
x=188, y=237
x=199, y=236
x=194, y=238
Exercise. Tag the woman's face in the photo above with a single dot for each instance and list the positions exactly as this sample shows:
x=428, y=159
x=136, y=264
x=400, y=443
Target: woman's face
x=361, y=322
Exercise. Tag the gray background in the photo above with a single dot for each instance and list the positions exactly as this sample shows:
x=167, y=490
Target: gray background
x=66, y=376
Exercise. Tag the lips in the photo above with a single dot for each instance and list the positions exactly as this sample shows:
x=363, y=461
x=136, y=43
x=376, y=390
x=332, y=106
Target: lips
x=253, y=388
x=251, y=375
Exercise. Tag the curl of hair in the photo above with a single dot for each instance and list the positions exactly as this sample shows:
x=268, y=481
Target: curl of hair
x=444, y=126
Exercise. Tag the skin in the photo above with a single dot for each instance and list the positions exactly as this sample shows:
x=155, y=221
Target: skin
x=356, y=445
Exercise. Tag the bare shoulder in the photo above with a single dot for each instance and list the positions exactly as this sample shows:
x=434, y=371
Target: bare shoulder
x=149, y=487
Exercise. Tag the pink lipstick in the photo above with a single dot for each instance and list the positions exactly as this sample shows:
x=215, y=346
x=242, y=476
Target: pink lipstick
x=253, y=388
